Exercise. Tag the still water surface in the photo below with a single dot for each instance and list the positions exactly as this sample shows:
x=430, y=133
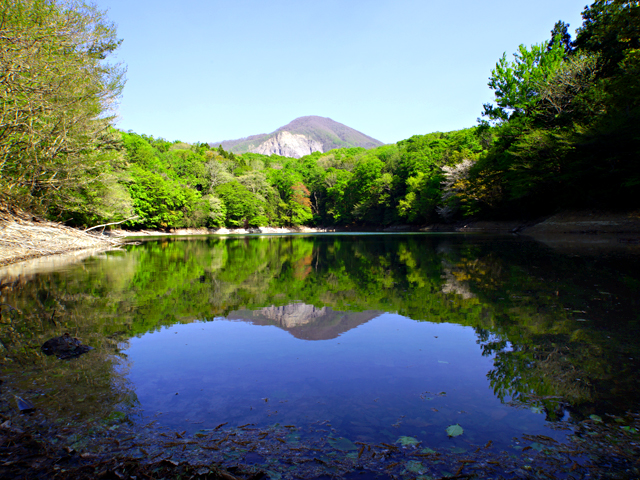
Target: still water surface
x=372, y=337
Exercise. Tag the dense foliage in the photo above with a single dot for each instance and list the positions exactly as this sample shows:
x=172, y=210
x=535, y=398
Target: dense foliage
x=564, y=131
x=567, y=120
x=56, y=93
x=176, y=185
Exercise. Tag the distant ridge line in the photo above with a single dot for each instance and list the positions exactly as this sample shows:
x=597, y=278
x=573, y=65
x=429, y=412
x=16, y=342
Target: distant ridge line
x=300, y=137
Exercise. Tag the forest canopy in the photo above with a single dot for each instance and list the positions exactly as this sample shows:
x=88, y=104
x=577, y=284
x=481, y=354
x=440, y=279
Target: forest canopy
x=57, y=91
x=562, y=132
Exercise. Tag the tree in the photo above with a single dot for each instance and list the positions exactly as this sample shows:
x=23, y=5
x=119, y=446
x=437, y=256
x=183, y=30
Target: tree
x=560, y=34
x=217, y=212
x=560, y=98
x=610, y=28
x=516, y=84
x=56, y=95
x=339, y=195
x=299, y=204
x=243, y=209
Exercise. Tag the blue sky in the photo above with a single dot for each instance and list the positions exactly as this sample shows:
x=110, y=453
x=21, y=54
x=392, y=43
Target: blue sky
x=212, y=70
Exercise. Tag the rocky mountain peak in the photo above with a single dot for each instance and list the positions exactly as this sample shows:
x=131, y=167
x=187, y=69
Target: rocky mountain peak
x=302, y=136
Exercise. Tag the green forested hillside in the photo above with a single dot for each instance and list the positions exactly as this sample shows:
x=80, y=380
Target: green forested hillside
x=172, y=185
x=564, y=131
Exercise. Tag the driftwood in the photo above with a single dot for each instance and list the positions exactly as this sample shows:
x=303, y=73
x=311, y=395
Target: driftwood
x=113, y=223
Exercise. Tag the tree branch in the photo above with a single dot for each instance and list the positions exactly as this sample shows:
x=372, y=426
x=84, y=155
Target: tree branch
x=113, y=223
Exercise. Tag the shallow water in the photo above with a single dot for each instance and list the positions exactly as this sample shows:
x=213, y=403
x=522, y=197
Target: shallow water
x=374, y=337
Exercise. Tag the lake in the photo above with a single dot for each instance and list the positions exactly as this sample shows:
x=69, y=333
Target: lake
x=343, y=345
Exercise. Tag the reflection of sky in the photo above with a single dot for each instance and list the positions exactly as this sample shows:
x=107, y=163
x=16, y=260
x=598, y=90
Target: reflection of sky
x=387, y=370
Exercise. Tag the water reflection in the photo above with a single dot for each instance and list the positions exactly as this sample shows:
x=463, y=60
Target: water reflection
x=549, y=330
x=306, y=322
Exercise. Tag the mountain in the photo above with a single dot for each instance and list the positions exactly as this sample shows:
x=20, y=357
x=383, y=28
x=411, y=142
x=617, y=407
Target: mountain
x=306, y=322
x=301, y=137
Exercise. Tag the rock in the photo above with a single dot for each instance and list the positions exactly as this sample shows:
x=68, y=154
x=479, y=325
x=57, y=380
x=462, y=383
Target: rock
x=301, y=137
x=25, y=406
x=65, y=347
x=289, y=144
x=293, y=315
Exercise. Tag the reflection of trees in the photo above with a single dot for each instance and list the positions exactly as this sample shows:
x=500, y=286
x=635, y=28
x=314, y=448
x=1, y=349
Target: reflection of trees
x=544, y=354
x=511, y=292
x=541, y=374
x=88, y=388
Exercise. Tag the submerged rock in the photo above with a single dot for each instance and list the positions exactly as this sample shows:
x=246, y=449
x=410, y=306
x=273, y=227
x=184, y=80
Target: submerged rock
x=65, y=347
x=25, y=406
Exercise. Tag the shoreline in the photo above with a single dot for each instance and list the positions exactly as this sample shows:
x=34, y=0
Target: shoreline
x=23, y=237
x=22, y=240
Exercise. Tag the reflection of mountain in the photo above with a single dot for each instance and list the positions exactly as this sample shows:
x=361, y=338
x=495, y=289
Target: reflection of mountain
x=306, y=321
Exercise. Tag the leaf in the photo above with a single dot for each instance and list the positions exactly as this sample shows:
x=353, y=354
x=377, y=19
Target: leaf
x=537, y=446
x=596, y=418
x=536, y=410
x=414, y=467
x=341, y=443
x=442, y=361
x=293, y=438
x=408, y=441
x=454, y=430
x=115, y=417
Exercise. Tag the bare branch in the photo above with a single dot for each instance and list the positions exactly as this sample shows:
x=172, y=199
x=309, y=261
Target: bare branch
x=113, y=223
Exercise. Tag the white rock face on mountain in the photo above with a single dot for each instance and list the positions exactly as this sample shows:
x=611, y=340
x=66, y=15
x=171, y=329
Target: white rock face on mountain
x=289, y=144
x=289, y=316
x=301, y=137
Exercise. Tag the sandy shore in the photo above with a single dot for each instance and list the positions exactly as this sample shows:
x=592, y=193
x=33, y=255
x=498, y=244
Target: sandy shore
x=23, y=237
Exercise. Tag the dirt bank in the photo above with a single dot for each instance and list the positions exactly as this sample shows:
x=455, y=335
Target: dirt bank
x=23, y=236
x=588, y=222
x=565, y=222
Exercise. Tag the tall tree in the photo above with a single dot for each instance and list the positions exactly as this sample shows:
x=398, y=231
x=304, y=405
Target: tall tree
x=516, y=84
x=57, y=92
x=560, y=33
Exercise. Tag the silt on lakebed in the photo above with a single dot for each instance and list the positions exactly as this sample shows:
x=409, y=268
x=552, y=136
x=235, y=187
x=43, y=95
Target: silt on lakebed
x=373, y=350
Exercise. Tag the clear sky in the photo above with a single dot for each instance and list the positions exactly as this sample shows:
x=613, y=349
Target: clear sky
x=212, y=70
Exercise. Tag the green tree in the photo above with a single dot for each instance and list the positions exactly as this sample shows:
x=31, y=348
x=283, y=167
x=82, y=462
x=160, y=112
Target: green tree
x=560, y=33
x=424, y=193
x=339, y=201
x=371, y=187
x=57, y=92
x=243, y=209
x=217, y=212
x=610, y=28
x=517, y=84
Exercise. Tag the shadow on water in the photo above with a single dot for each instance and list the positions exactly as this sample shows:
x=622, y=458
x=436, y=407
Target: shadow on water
x=362, y=350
